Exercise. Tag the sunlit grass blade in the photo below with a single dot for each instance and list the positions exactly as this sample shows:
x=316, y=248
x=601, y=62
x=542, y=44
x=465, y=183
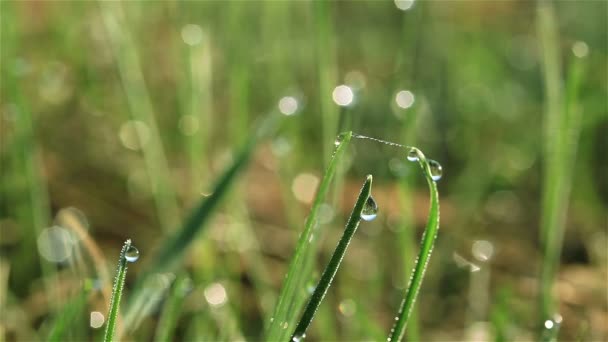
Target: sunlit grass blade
x=128, y=254
x=334, y=263
x=298, y=274
x=424, y=255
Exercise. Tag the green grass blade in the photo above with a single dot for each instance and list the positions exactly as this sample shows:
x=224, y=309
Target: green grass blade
x=119, y=283
x=332, y=267
x=424, y=255
x=70, y=313
x=562, y=119
x=172, y=309
x=141, y=109
x=175, y=247
x=297, y=274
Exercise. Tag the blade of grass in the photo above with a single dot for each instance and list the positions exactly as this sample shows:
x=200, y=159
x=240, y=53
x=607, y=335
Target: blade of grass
x=119, y=283
x=424, y=255
x=326, y=69
x=407, y=235
x=334, y=263
x=171, y=312
x=141, y=109
x=173, y=249
x=175, y=246
x=297, y=274
x=70, y=313
x=562, y=128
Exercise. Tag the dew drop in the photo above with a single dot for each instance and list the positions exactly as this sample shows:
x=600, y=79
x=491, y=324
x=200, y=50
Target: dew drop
x=339, y=139
x=370, y=209
x=284, y=325
x=298, y=338
x=132, y=254
x=412, y=155
x=436, y=170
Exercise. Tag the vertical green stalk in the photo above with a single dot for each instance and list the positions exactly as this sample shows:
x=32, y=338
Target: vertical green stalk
x=332, y=267
x=299, y=269
x=141, y=109
x=426, y=249
x=170, y=315
x=562, y=127
x=327, y=72
x=127, y=254
x=407, y=235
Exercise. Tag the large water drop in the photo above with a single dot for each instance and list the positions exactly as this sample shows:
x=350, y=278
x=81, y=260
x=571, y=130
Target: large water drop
x=436, y=170
x=412, y=155
x=132, y=254
x=370, y=209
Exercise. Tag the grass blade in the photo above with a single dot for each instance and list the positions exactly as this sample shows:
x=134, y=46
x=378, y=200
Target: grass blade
x=171, y=312
x=332, y=267
x=68, y=315
x=424, y=255
x=297, y=274
x=119, y=283
x=562, y=121
x=175, y=247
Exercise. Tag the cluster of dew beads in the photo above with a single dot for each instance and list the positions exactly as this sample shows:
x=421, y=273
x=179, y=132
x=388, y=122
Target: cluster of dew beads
x=370, y=209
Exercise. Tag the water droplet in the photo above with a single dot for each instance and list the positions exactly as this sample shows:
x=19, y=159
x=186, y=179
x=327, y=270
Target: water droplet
x=132, y=254
x=549, y=324
x=436, y=170
x=370, y=209
x=412, y=155
x=284, y=325
x=339, y=139
x=298, y=338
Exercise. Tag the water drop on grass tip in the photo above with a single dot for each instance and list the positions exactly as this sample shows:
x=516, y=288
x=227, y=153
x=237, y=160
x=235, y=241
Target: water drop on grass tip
x=132, y=254
x=412, y=155
x=436, y=170
x=339, y=139
x=370, y=209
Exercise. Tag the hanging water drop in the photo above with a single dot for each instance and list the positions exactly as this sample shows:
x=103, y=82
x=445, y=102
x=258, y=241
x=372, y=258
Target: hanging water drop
x=370, y=209
x=436, y=170
x=131, y=254
x=412, y=155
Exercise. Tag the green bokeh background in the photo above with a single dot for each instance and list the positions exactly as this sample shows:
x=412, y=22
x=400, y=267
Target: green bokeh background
x=76, y=75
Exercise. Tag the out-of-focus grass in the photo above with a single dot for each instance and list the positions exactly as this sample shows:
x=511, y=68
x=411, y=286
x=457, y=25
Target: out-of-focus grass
x=562, y=122
x=197, y=75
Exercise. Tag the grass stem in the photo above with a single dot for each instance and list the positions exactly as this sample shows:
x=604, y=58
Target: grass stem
x=332, y=267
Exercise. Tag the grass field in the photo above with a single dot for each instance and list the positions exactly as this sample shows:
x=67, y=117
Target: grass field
x=233, y=146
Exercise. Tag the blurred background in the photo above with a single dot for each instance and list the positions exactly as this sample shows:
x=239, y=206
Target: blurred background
x=117, y=118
